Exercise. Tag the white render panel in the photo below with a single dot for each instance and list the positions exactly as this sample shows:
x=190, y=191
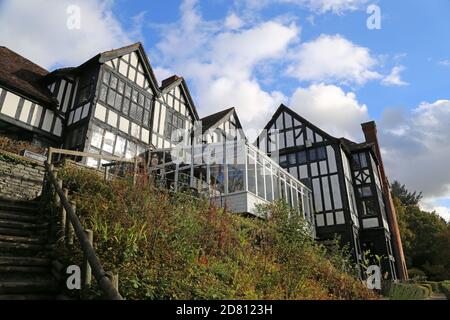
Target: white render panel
x=36, y=116
x=156, y=116
x=48, y=120
x=163, y=119
x=145, y=135
x=62, y=86
x=10, y=104
x=112, y=118
x=124, y=125
x=135, y=130
x=123, y=68
x=25, y=111
x=100, y=112
x=58, y=127
x=134, y=59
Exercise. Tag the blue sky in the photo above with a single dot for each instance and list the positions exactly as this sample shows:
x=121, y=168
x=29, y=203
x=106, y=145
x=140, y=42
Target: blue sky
x=317, y=56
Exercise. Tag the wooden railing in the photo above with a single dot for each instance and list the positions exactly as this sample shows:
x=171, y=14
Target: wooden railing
x=70, y=225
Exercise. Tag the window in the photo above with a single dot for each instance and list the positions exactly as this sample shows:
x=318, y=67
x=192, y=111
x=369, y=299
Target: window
x=251, y=175
x=283, y=161
x=365, y=192
x=260, y=179
x=317, y=154
x=268, y=176
x=108, y=142
x=120, y=146
x=301, y=157
x=173, y=122
x=235, y=178
x=369, y=207
x=292, y=159
x=117, y=94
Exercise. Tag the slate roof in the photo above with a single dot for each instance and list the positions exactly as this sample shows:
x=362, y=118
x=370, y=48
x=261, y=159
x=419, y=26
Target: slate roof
x=24, y=77
x=211, y=120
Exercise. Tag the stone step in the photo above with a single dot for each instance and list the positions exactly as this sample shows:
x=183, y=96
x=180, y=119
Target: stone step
x=39, y=286
x=24, y=261
x=24, y=248
x=29, y=203
x=35, y=297
x=23, y=232
x=11, y=207
x=16, y=270
x=19, y=239
x=21, y=217
x=21, y=225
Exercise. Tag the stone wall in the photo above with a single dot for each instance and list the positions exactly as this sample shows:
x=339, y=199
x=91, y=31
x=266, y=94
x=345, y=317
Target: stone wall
x=20, y=178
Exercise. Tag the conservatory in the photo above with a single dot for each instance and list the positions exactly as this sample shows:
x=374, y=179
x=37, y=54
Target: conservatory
x=235, y=175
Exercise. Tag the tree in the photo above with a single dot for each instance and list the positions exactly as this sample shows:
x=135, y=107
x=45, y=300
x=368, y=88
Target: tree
x=425, y=235
x=407, y=198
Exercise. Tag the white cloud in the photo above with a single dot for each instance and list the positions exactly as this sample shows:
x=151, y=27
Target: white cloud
x=430, y=206
x=41, y=32
x=445, y=63
x=331, y=109
x=335, y=6
x=316, y=6
x=220, y=64
x=416, y=149
x=333, y=59
x=233, y=22
x=394, y=79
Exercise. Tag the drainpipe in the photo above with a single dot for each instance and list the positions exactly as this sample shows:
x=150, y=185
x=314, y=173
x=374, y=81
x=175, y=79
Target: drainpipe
x=370, y=133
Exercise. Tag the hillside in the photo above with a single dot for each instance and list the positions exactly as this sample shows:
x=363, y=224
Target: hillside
x=173, y=246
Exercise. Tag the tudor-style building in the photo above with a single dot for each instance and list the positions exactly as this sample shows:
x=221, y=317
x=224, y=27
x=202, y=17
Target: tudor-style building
x=349, y=197
x=112, y=105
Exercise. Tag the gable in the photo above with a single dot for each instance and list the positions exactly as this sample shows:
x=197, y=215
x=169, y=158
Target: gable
x=131, y=67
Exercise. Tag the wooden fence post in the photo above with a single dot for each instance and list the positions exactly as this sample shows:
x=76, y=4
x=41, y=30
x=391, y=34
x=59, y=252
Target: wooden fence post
x=63, y=219
x=135, y=170
x=69, y=227
x=87, y=271
x=114, y=277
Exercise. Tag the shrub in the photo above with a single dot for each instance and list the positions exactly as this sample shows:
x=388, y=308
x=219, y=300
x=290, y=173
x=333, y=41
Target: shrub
x=445, y=288
x=403, y=291
x=17, y=146
x=416, y=274
x=434, y=285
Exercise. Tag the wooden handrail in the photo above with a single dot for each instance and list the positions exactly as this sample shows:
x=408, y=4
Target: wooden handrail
x=51, y=151
x=100, y=275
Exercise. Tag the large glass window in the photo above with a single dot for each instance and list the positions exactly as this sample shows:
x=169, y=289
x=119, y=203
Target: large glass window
x=235, y=178
x=268, y=175
x=260, y=179
x=108, y=142
x=217, y=178
x=123, y=97
x=251, y=172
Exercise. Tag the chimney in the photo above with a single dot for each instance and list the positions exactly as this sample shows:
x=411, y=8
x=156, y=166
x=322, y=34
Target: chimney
x=370, y=133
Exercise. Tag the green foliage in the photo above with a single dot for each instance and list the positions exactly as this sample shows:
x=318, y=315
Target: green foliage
x=407, y=198
x=428, y=286
x=403, y=291
x=444, y=287
x=434, y=285
x=173, y=246
x=425, y=238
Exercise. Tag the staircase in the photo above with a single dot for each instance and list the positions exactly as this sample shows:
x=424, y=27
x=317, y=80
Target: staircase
x=25, y=264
